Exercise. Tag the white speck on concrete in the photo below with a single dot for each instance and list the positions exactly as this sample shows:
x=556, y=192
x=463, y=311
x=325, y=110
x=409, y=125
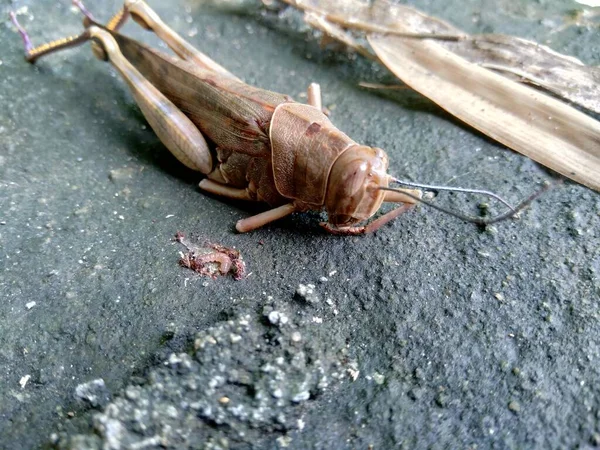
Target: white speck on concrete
x=277, y=318
x=24, y=380
x=284, y=441
x=301, y=424
x=378, y=378
x=353, y=373
x=296, y=336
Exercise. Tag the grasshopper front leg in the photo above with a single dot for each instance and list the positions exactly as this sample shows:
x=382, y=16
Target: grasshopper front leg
x=369, y=228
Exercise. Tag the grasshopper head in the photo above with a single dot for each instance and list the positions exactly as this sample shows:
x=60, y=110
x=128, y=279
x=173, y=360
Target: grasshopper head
x=353, y=193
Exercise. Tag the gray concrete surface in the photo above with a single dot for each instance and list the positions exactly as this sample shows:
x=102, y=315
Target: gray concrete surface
x=431, y=333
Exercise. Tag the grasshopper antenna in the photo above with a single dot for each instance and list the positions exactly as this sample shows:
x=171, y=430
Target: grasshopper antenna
x=26, y=40
x=452, y=189
x=79, y=4
x=513, y=210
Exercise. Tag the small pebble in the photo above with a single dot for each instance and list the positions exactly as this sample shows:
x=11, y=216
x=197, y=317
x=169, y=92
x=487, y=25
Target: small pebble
x=277, y=318
x=30, y=305
x=301, y=396
x=277, y=393
x=378, y=378
x=307, y=293
x=284, y=441
x=514, y=406
x=93, y=392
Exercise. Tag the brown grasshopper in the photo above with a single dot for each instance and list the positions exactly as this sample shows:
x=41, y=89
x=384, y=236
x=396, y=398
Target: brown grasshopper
x=252, y=144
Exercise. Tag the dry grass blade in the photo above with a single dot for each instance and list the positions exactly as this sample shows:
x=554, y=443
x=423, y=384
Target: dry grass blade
x=529, y=62
x=521, y=118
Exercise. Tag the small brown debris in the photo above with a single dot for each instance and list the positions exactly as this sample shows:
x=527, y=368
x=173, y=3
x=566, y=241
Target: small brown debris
x=514, y=406
x=211, y=259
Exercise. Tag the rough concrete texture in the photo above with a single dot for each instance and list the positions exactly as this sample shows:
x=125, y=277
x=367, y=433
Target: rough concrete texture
x=432, y=333
x=246, y=380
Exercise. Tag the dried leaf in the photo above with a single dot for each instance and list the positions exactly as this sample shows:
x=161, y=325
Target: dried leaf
x=444, y=70
x=522, y=60
x=563, y=76
x=532, y=123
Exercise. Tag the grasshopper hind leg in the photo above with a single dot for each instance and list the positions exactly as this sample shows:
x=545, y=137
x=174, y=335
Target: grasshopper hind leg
x=253, y=222
x=33, y=53
x=145, y=16
x=176, y=131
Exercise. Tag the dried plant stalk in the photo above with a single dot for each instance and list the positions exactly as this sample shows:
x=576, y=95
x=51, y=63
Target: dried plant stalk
x=539, y=126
